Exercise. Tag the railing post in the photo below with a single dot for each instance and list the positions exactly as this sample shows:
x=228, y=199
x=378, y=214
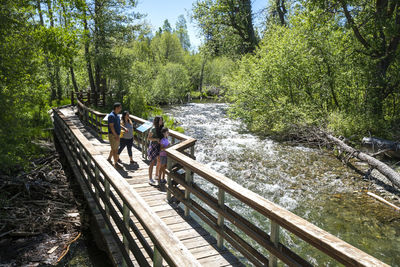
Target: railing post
x=98, y=123
x=220, y=222
x=169, y=181
x=157, y=258
x=274, y=239
x=80, y=157
x=97, y=178
x=192, y=151
x=72, y=98
x=144, y=145
x=107, y=192
x=188, y=180
x=86, y=115
x=88, y=163
x=126, y=222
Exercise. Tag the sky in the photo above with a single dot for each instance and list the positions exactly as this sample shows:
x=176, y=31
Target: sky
x=159, y=10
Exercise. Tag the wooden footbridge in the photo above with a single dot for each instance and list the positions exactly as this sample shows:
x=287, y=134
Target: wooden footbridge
x=141, y=226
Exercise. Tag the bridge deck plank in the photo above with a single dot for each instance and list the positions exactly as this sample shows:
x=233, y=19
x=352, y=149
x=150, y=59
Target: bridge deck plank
x=199, y=242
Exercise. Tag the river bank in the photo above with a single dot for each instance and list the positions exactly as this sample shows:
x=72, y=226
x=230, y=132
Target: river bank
x=311, y=183
x=44, y=220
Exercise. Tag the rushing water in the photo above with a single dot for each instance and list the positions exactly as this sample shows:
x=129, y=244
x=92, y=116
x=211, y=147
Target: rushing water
x=308, y=182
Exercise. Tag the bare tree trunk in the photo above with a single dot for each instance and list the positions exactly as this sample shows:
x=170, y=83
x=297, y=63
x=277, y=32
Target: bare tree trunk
x=87, y=53
x=281, y=9
x=391, y=174
x=71, y=62
x=46, y=58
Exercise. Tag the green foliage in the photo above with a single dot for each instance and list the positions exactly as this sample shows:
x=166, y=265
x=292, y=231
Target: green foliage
x=24, y=87
x=227, y=26
x=182, y=33
x=171, y=84
x=215, y=70
x=167, y=48
x=305, y=75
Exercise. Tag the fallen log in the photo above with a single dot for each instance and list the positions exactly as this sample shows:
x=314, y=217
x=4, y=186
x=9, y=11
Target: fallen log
x=390, y=174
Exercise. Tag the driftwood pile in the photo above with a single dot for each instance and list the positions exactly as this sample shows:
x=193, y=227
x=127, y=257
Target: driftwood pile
x=38, y=214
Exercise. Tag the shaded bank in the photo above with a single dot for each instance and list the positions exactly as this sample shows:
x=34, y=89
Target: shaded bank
x=44, y=219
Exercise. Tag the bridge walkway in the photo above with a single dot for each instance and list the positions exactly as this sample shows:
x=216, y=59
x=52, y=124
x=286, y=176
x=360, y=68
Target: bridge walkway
x=196, y=239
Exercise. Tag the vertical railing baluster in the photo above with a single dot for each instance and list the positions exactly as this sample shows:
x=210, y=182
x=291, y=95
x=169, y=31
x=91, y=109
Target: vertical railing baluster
x=192, y=150
x=97, y=179
x=169, y=180
x=89, y=165
x=220, y=221
x=80, y=159
x=146, y=144
x=143, y=143
x=274, y=239
x=157, y=258
x=126, y=222
x=107, y=192
x=188, y=180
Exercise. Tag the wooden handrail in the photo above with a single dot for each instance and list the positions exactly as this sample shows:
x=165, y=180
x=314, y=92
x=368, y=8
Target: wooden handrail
x=82, y=108
x=308, y=232
x=164, y=240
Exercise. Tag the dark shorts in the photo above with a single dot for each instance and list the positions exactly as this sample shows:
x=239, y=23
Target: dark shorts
x=163, y=160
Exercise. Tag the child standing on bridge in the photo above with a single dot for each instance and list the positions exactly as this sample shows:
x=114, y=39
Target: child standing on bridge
x=163, y=154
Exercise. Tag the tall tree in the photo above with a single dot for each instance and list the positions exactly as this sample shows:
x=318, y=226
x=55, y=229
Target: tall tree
x=166, y=26
x=376, y=27
x=182, y=32
x=219, y=19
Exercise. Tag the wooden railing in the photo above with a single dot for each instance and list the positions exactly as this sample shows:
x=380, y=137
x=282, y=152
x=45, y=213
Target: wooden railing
x=277, y=216
x=102, y=180
x=88, y=98
x=94, y=119
x=182, y=168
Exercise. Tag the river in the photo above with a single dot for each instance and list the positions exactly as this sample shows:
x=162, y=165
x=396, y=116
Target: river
x=309, y=182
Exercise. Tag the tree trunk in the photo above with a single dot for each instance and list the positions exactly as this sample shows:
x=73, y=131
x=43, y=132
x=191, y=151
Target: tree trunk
x=56, y=90
x=87, y=54
x=249, y=27
x=46, y=58
x=71, y=62
x=391, y=174
x=71, y=69
x=281, y=9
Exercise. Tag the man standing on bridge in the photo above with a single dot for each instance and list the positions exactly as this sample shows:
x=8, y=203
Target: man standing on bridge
x=114, y=130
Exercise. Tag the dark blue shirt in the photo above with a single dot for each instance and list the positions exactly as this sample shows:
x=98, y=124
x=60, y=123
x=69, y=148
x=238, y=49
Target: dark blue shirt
x=114, y=118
